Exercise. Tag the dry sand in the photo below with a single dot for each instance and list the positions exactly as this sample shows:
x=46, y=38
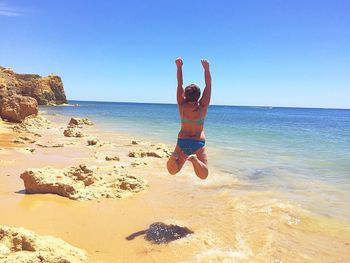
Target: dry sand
x=225, y=223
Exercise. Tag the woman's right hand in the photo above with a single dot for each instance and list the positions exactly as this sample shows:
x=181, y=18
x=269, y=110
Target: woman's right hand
x=205, y=64
x=179, y=62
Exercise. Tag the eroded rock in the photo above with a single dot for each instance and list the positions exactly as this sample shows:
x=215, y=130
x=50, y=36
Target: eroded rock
x=22, y=245
x=33, y=124
x=158, y=153
x=80, y=121
x=45, y=90
x=82, y=183
x=20, y=94
x=73, y=132
x=16, y=107
x=74, y=126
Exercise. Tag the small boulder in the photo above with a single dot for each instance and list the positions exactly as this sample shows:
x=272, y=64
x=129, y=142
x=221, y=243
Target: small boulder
x=32, y=124
x=92, y=142
x=15, y=108
x=73, y=132
x=80, y=121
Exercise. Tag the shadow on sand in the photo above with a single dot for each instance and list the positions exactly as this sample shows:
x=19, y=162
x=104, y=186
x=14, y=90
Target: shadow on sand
x=159, y=233
x=22, y=192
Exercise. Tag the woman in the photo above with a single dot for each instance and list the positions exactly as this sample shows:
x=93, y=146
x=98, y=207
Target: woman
x=192, y=110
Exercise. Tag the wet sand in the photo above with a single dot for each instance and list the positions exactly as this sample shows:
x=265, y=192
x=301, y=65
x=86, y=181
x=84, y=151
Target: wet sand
x=229, y=223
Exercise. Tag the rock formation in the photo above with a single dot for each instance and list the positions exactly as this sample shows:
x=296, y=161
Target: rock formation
x=73, y=132
x=22, y=245
x=32, y=124
x=82, y=183
x=80, y=121
x=74, y=126
x=15, y=108
x=159, y=151
x=21, y=93
x=46, y=90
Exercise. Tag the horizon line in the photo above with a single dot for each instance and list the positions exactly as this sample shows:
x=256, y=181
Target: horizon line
x=223, y=105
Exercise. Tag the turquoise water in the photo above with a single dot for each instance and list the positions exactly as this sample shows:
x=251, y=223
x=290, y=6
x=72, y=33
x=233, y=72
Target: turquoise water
x=302, y=153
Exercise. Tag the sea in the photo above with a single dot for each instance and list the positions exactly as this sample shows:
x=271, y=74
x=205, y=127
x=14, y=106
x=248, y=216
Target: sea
x=301, y=153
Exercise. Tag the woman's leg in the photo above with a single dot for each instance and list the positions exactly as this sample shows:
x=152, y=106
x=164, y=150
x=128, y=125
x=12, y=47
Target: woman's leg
x=200, y=163
x=176, y=161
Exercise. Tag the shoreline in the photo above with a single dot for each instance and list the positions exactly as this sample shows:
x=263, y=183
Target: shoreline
x=225, y=224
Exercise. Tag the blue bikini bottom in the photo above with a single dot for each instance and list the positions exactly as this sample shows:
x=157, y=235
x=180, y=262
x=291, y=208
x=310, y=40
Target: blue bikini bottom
x=190, y=146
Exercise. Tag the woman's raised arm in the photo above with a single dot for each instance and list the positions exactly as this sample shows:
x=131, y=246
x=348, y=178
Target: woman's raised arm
x=180, y=88
x=204, y=101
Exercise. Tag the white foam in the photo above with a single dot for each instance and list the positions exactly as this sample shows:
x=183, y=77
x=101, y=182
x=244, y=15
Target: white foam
x=224, y=255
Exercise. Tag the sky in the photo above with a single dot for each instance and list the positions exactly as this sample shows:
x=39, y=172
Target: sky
x=293, y=53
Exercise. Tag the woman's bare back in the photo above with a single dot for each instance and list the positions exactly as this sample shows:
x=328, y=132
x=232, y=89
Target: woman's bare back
x=192, y=112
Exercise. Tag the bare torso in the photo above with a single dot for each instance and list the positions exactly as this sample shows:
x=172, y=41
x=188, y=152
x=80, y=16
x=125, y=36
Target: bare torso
x=192, y=111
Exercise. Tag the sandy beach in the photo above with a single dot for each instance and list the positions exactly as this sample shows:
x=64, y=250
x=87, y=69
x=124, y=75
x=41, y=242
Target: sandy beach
x=222, y=226
x=174, y=132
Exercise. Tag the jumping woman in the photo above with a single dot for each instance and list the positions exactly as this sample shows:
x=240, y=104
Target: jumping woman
x=192, y=110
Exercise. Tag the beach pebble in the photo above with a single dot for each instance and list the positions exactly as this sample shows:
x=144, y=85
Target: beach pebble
x=92, y=142
x=88, y=181
x=26, y=150
x=112, y=158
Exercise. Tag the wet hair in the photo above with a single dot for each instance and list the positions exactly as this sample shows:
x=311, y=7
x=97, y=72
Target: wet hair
x=192, y=93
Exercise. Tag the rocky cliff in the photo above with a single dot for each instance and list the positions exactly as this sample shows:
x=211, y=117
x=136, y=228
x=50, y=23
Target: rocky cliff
x=45, y=90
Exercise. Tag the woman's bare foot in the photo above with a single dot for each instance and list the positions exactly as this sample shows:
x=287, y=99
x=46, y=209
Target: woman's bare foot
x=200, y=168
x=192, y=158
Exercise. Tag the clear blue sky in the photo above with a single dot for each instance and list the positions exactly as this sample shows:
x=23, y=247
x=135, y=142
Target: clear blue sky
x=271, y=52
